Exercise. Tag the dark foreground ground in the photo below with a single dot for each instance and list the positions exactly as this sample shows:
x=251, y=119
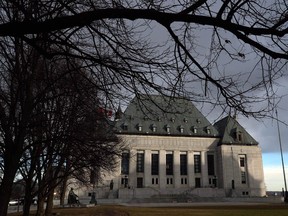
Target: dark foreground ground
x=223, y=209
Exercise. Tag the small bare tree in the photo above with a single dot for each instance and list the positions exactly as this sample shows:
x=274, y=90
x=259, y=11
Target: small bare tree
x=68, y=134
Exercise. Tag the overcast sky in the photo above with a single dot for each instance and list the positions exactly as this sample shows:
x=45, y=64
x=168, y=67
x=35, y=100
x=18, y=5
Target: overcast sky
x=264, y=130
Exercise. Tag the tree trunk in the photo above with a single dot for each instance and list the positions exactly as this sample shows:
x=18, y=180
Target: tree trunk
x=10, y=169
x=6, y=188
x=40, y=206
x=28, y=198
x=63, y=191
x=27, y=205
x=49, y=205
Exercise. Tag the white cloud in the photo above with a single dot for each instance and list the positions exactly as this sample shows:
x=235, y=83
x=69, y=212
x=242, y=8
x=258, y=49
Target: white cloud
x=274, y=179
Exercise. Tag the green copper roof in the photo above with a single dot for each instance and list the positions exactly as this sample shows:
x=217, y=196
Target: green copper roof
x=161, y=115
x=232, y=132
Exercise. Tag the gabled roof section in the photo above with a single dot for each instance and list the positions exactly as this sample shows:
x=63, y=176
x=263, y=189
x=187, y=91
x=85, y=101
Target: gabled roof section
x=233, y=133
x=163, y=115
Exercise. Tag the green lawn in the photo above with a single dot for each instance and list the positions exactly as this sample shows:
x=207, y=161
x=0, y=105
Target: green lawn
x=110, y=210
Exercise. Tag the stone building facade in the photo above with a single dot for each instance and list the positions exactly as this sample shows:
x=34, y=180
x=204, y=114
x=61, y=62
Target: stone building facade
x=171, y=148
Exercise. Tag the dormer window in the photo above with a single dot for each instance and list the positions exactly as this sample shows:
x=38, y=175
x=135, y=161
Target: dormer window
x=238, y=135
x=139, y=127
x=125, y=127
x=194, y=129
x=181, y=129
x=172, y=119
x=185, y=120
x=198, y=121
x=154, y=128
x=168, y=128
x=208, y=131
x=145, y=118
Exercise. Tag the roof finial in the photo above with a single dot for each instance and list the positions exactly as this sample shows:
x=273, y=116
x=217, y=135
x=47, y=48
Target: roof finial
x=235, y=115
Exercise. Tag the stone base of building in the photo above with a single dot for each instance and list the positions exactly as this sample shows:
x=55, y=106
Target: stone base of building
x=169, y=193
x=185, y=194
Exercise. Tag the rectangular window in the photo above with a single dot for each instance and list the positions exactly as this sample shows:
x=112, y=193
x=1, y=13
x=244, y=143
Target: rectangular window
x=169, y=181
x=140, y=162
x=183, y=164
x=125, y=163
x=242, y=161
x=183, y=181
x=169, y=164
x=197, y=163
x=154, y=164
x=243, y=177
x=239, y=136
x=210, y=161
x=154, y=181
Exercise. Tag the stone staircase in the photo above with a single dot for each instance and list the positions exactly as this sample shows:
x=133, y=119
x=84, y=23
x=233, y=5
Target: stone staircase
x=176, y=198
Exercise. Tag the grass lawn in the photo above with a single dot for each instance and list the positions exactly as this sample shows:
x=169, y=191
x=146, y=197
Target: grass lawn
x=110, y=210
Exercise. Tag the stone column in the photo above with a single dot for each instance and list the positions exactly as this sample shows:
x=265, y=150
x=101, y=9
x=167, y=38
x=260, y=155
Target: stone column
x=191, y=174
x=147, y=168
x=117, y=179
x=176, y=169
x=162, y=169
x=204, y=169
x=132, y=180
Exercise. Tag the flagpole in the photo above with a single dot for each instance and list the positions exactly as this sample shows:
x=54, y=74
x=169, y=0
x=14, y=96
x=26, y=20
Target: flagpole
x=282, y=159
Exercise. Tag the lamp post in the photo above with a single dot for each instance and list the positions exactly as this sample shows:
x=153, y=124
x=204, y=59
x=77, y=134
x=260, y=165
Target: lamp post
x=282, y=159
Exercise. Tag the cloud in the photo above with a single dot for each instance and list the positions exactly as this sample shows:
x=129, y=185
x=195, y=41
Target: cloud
x=274, y=178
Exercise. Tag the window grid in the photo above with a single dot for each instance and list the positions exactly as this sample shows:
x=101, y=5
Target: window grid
x=155, y=164
x=125, y=163
x=140, y=162
x=211, y=167
x=169, y=164
x=183, y=164
x=242, y=161
x=243, y=177
x=197, y=163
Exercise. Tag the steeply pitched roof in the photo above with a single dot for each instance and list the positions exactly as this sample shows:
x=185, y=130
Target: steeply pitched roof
x=161, y=115
x=232, y=132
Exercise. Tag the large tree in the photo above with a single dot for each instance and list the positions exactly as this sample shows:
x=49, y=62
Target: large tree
x=113, y=34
